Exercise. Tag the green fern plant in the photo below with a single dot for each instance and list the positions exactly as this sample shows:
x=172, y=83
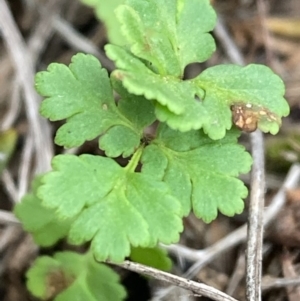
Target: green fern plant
x=189, y=163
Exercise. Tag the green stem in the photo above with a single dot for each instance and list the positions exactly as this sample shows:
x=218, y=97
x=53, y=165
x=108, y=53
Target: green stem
x=134, y=161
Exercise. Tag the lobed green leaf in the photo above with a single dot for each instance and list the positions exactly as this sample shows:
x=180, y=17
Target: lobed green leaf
x=161, y=32
x=108, y=201
x=200, y=172
x=255, y=85
x=43, y=223
x=68, y=276
x=82, y=94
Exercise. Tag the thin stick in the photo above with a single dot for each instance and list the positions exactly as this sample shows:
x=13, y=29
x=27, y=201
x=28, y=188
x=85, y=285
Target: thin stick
x=237, y=276
x=279, y=282
x=79, y=42
x=39, y=129
x=195, y=287
x=24, y=169
x=255, y=219
x=8, y=217
x=8, y=236
x=231, y=240
x=262, y=14
x=13, y=107
x=10, y=186
x=43, y=30
x=228, y=44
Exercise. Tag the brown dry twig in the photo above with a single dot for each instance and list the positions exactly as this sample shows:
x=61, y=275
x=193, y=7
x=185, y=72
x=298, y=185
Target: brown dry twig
x=197, y=288
x=255, y=220
x=269, y=282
